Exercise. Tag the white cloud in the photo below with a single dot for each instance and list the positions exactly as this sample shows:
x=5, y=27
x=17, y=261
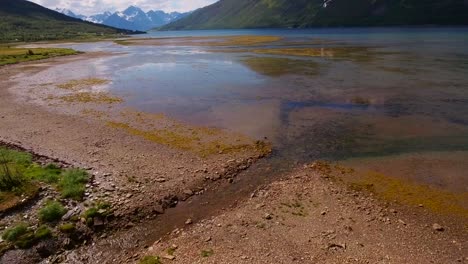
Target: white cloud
x=90, y=7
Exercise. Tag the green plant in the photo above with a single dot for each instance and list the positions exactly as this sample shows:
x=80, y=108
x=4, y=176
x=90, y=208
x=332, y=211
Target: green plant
x=207, y=253
x=67, y=228
x=52, y=211
x=12, y=234
x=11, y=179
x=72, y=184
x=48, y=174
x=150, y=260
x=42, y=232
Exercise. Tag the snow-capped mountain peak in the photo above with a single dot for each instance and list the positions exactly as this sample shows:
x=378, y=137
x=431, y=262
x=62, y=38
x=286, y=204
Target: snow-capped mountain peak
x=133, y=18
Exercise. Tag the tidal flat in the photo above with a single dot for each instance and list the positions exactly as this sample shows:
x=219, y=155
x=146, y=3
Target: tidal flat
x=201, y=123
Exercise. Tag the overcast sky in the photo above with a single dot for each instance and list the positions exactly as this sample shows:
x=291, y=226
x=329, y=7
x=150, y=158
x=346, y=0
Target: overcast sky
x=90, y=7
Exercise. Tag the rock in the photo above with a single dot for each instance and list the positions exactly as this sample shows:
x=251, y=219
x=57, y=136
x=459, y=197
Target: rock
x=161, y=179
x=323, y=213
x=98, y=221
x=208, y=239
x=437, y=227
x=158, y=209
x=188, y=192
x=401, y=222
x=268, y=216
x=169, y=257
x=189, y=221
x=129, y=195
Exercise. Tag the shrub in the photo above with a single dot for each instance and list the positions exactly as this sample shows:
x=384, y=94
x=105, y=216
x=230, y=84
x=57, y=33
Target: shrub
x=72, y=184
x=150, y=260
x=52, y=211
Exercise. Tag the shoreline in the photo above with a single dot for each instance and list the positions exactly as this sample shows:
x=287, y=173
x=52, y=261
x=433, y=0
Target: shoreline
x=156, y=177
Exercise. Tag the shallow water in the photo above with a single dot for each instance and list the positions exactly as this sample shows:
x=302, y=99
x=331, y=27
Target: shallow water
x=371, y=93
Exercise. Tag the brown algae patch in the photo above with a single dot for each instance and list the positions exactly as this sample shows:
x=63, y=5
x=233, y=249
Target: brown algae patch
x=202, y=141
x=353, y=53
x=275, y=67
x=390, y=188
x=246, y=40
x=75, y=85
x=91, y=97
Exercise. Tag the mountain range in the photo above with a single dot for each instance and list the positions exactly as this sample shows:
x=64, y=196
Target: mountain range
x=226, y=14
x=21, y=20
x=132, y=18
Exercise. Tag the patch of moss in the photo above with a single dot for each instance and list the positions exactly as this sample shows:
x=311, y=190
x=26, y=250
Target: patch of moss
x=67, y=228
x=207, y=253
x=150, y=260
x=42, y=232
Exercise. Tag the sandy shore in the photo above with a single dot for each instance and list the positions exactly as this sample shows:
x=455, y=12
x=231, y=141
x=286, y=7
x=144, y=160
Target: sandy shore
x=302, y=218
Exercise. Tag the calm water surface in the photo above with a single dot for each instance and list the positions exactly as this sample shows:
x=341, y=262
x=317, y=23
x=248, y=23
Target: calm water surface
x=402, y=91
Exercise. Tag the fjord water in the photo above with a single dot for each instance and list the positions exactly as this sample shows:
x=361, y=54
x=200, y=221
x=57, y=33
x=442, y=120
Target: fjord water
x=392, y=96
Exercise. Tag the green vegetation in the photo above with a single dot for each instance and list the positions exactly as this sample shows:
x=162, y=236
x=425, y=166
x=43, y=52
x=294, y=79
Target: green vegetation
x=67, y=228
x=19, y=177
x=23, y=236
x=16, y=55
x=52, y=212
x=42, y=232
x=101, y=210
x=24, y=21
x=72, y=184
x=150, y=260
x=311, y=13
x=207, y=253
x=12, y=234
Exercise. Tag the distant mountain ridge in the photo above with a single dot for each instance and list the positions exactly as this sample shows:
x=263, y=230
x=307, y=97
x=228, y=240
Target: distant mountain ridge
x=226, y=14
x=21, y=20
x=132, y=18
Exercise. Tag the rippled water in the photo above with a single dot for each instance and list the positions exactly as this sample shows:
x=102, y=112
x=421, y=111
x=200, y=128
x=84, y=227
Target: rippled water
x=398, y=91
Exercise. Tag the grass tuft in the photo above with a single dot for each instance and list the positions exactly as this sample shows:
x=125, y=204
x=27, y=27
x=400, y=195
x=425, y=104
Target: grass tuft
x=72, y=184
x=52, y=212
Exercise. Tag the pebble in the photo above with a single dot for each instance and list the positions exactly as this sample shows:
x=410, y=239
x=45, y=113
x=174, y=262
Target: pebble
x=189, y=221
x=268, y=216
x=437, y=227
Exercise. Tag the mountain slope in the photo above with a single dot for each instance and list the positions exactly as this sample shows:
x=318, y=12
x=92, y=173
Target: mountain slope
x=22, y=20
x=309, y=13
x=133, y=18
